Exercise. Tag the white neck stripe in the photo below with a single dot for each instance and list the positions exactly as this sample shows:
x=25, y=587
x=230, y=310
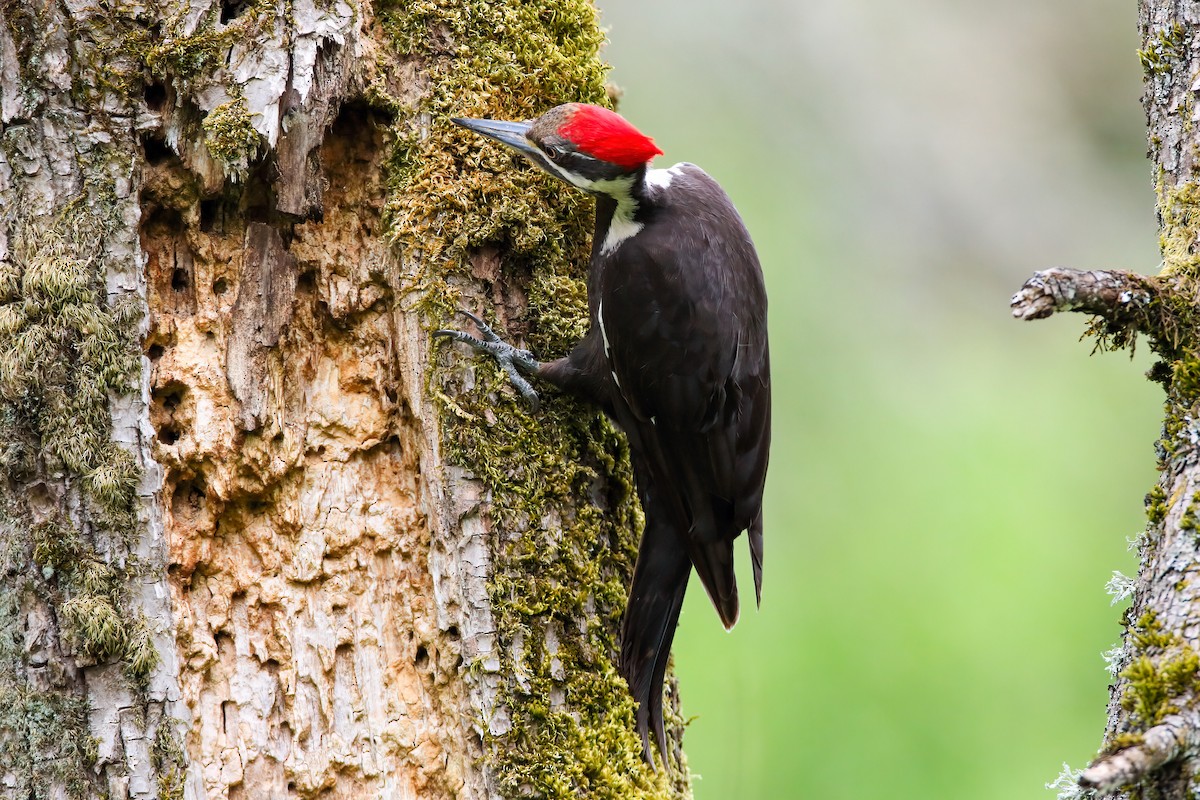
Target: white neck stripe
x=622, y=226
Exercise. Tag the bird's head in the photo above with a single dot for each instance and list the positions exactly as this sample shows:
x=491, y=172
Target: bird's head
x=587, y=146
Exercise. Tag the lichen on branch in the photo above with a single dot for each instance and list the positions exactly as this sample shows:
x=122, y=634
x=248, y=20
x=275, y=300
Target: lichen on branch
x=1154, y=717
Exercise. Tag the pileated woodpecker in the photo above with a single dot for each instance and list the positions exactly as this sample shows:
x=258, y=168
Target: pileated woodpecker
x=676, y=354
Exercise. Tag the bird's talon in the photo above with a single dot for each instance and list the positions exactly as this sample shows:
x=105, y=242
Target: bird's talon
x=484, y=328
x=515, y=362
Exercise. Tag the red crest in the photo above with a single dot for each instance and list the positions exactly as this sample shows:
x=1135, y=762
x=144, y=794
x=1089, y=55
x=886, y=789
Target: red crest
x=606, y=135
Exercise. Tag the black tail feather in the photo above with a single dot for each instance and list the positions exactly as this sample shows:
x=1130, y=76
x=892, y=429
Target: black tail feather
x=755, y=534
x=655, y=599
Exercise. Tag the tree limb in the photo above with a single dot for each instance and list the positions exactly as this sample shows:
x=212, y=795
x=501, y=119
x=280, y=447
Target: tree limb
x=1176, y=736
x=1116, y=295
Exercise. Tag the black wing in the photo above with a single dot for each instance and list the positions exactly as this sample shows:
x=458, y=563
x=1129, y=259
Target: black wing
x=682, y=317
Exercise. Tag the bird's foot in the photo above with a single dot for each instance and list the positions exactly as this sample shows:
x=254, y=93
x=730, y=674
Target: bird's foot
x=515, y=362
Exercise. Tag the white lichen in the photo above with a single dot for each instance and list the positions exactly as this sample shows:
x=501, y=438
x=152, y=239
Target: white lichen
x=1115, y=659
x=1067, y=784
x=1119, y=586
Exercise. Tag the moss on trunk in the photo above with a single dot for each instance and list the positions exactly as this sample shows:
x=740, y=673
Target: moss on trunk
x=164, y=137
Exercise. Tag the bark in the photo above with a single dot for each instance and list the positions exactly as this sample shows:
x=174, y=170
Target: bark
x=1152, y=741
x=257, y=534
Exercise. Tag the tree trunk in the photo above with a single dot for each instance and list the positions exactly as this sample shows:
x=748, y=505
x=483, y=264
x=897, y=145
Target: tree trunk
x=258, y=536
x=1151, y=746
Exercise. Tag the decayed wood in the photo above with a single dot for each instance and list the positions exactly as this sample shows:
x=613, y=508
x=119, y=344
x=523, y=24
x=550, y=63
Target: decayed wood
x=255, y=572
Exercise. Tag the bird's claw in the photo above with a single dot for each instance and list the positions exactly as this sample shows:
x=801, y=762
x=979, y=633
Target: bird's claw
x=515, y=362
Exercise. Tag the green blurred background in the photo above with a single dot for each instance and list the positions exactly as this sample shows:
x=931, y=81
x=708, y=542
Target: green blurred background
x=950, y=489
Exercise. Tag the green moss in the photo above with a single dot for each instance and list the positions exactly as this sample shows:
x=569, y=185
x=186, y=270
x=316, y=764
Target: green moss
x=562, y=504
x=1146, y=634
x=528, y=58
x=1122, y=741
x=1185, y=378
x=169, y=763
x=1164, y=50
x=94, y=610
x=1153, y=686
x=229, y=135
x=186, y=57
x=1165, y=671
x=1173, y=319
x=1156, y=505
x=1179, y=207
x=63, y=350
x=45, y=742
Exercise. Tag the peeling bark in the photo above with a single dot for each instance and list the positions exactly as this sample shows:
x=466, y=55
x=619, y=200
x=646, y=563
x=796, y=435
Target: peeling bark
x=244, y=548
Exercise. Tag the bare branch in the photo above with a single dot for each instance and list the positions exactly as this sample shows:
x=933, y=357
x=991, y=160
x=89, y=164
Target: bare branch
x=1175, y=737
x=1115, y=295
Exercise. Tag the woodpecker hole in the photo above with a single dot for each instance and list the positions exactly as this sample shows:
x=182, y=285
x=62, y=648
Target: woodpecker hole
x=220, y=286
x=179, y=280
x=157, y=151
x=422, y=659
x=209, y=211
x=231, y=10
x=165, y=404
x=188, y=500
x=169, y=397
x=155, y=95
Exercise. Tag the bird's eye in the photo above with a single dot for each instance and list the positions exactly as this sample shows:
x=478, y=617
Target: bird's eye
x=555, y=151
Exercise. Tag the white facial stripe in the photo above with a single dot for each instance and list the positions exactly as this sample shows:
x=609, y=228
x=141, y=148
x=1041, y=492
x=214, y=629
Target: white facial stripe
x=622, y=226
x=619, y=189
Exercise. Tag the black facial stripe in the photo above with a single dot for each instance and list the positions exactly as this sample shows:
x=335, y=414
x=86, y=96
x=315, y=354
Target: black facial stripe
x=541, y=160
x=589, y=167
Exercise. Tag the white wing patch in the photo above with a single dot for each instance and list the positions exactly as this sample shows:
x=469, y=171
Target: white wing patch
x=604, y=338
x=659, y=179
x=603, y=332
